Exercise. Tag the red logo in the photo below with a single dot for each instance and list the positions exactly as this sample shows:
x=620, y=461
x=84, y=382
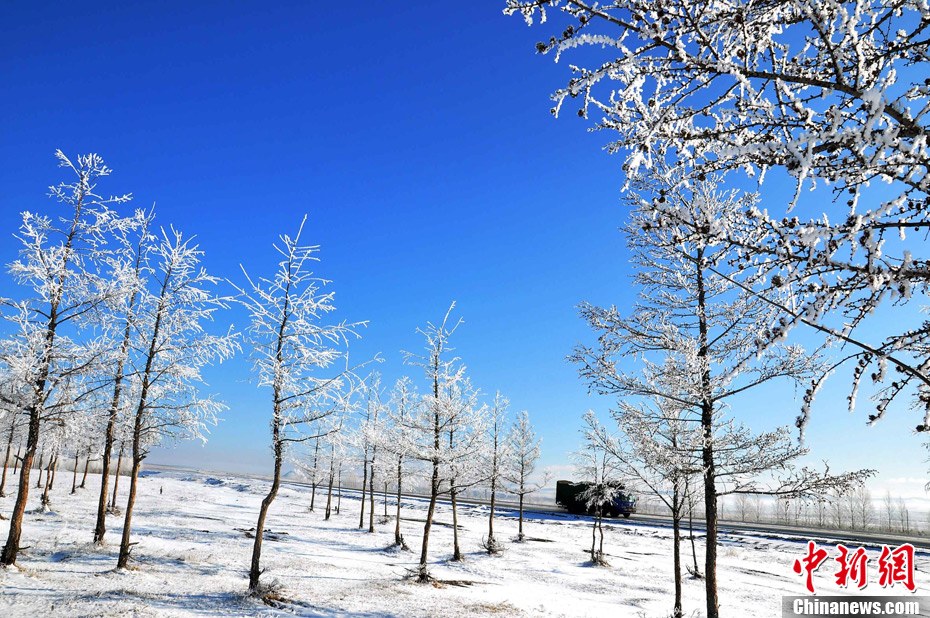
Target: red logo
x=894, y=566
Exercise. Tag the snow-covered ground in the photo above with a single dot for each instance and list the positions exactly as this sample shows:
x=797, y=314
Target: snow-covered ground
x=193, y=553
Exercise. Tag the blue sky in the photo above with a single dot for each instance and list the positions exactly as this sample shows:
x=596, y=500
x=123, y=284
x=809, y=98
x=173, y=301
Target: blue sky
x=417, y=138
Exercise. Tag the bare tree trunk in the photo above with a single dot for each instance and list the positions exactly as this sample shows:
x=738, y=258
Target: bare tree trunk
x=137, y=457
x=48, y=478
x=594, y=541
x=495, y=471
x=16, y=461
x=398, y=537
x=125, y=547
x=316, y=452
x=371, y=494
x=51, y=483
x=329, y=491
x=74, y=474
x=361, y=517
x=491, y=542
x=453, y=491
x=255, y=570
x=6, y=459
x=697, y=570
x=676, y=541
x=339, y=497
x=41, y=463
x=86, y=466
x=44, y=501
x=710, y=516
x=332, y=478
x=119, y=467
x=707, y=451
x=100, y=527
x=423, y=575
x=456, y=551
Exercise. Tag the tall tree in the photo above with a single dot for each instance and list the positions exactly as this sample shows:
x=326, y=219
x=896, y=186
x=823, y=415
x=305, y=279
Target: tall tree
x=659, y=449
x=373, y=427
x=465, y=429
x=334, y=447
x=300, y=356
x=598, y=467
x=427, y=430
x=130, y=266
x=335, y=444
x=367, y=438
x=173, y=347
x=58, y=263
x=404, y=399
x=523, y=450
x=712, y=330
x=79, y=432
x=497, y=455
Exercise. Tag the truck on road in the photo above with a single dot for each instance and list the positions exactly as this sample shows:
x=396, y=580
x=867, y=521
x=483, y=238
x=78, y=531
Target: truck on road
x=570, y=496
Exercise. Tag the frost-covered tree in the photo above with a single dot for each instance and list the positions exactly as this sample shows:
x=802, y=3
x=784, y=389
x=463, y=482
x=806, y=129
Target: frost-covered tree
x=82, y=436
x=331, y=447
x=65, y=423
x=123, y=436
x=335, y=453
x=599, y=468
x=129, y=264
x=403, y=403
x=497, y=455
x=832, y=94
x=860, y=507
x=314, y=472
x=59, y=265
x=888, y=508
x=903, y=516
x=59, y=432
x=659, y=449
x=298, y=354
x=308, y=464
x=520, y=465
x=172, y=347
x=317, y=464
x=710, y=329
x=465, y=429
x=428, y=428
x=368, y=432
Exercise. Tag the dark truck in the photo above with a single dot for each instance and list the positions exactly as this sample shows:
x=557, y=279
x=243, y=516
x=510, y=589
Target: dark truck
x=568, y=495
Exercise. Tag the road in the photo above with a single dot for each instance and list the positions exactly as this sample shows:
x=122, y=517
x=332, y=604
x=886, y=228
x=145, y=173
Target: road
x=725, y=528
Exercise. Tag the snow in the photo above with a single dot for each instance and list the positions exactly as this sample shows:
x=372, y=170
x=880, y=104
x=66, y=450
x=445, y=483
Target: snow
x=192, y=560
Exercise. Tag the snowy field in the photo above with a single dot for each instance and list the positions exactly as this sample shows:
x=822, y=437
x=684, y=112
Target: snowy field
x=193, y=551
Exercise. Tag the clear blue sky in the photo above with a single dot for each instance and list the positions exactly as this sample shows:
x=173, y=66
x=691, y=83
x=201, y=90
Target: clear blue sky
x=417, y=137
